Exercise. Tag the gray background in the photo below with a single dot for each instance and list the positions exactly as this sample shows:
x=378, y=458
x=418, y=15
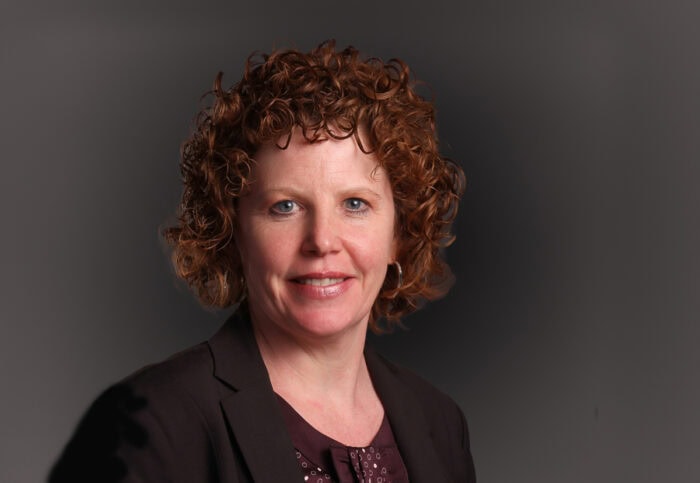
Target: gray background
x=570, y=337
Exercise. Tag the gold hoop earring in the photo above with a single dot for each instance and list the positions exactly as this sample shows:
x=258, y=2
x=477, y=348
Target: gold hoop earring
x=399, y=273
x=243, y=291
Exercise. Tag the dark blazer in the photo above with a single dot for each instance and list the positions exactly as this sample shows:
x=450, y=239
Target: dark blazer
x=209, y=414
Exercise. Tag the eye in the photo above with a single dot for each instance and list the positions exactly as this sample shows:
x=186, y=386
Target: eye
x=284, y=207
x=355, y=204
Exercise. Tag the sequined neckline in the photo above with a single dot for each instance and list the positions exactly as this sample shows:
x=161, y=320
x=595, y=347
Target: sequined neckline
x=322, y=459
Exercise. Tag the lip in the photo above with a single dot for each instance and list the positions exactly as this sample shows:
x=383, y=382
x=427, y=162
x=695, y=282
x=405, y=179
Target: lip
x=320, y=276
x=321, y=285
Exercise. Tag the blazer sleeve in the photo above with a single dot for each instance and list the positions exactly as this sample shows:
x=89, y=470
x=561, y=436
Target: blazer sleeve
x=118, y=440
x=466, y=448
x=134, y=434
x=451, y=436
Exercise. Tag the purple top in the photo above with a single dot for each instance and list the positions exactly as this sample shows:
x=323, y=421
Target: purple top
x=323, y=459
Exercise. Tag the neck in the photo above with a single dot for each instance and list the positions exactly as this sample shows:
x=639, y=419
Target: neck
x=317, y=367
x=325, y=379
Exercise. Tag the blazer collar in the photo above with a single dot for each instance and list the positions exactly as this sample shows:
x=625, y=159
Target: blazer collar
x=254, y=415
x=250, y=407
x=407, y=418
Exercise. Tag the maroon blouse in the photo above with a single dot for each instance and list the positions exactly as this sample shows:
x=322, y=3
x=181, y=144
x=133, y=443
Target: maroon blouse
x=323, y=459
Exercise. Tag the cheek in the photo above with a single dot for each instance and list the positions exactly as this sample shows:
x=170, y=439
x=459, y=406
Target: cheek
x=266, y=251
x=376, y=251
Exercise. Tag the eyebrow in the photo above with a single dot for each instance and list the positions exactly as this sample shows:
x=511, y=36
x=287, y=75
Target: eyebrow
x=361, y=191
x=352, y=192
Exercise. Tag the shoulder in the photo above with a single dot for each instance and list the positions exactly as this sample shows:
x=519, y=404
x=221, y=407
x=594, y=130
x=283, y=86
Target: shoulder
x=429, y=397
x=161, y=416
x=414, y=400
x=189, y=372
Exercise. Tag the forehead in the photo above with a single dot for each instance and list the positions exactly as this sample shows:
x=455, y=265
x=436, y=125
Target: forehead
x=330, y=160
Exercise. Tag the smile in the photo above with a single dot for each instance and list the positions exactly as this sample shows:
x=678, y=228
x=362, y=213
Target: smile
x=319, y=282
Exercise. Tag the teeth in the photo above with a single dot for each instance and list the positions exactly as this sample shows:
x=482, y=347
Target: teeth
x=320, y=282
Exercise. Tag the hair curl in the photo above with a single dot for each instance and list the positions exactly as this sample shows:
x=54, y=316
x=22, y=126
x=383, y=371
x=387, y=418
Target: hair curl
x=324, y=93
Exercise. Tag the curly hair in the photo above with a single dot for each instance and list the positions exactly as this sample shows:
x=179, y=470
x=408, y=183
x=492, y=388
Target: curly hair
x=325, y=92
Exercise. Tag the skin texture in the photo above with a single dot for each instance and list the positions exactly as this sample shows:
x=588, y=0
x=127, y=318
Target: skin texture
x=319, y=211
x=316, y=211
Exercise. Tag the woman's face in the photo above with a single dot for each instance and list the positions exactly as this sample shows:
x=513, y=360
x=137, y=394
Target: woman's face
x=316, y=234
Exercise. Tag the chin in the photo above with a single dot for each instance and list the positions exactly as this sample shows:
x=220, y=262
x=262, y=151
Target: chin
x=327, y=323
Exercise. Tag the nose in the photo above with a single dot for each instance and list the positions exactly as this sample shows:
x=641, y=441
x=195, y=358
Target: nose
x=322, y=234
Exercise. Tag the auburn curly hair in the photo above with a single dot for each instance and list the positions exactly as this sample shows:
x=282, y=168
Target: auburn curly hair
x=325, y=92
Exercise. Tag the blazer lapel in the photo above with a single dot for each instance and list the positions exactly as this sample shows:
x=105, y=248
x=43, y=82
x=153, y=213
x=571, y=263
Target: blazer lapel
x=253, y=413
x=407, y=419
x=250, y=406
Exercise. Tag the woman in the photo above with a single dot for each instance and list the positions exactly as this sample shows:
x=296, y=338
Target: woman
x=315, y=199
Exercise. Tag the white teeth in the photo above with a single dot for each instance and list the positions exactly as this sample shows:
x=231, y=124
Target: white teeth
x=320, y=282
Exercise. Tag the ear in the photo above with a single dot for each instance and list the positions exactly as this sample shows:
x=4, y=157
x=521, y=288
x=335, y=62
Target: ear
x=236, y=239
x=393, y=253
x=236, y=229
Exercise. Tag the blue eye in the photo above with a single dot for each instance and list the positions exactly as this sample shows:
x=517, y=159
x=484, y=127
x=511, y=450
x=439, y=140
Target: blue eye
x=284, y=207
x=355, y=204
